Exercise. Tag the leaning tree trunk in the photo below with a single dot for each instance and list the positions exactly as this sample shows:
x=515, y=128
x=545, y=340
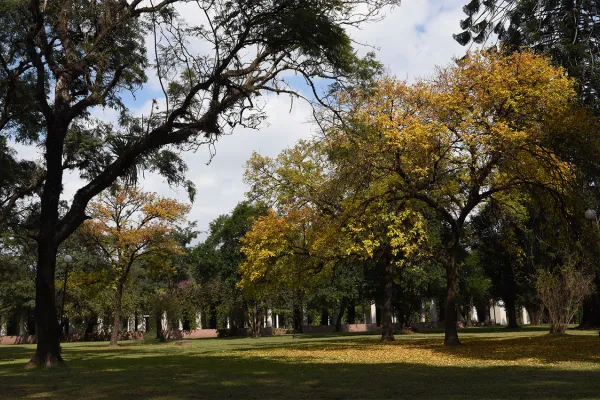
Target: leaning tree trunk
x=387, y=328
x=116, y=326
x=451, y=334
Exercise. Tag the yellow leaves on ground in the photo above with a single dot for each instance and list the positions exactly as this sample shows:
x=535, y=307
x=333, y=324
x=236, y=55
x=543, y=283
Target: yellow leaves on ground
x=566, y=351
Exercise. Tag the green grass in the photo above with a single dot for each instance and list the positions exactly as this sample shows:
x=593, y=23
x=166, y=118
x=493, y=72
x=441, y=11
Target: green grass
x=493, y=363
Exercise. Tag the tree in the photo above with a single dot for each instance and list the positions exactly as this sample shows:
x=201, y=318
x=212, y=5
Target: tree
x=322, y=226
x=562, y=293
x=60, y=59
x=475, y=130
x=130, y=226
x=217, y=261
x=565, y=30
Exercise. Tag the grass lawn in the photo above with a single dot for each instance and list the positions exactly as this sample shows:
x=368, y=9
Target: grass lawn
x=493, y=363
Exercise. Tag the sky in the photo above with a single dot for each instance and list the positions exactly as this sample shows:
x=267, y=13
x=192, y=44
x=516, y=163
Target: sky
x=411, y=41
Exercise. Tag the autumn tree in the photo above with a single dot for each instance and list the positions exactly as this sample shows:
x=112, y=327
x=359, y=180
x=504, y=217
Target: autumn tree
x=59, y=59
x=321, y=221
x=568, y=31
x=131, y=226
x=475, y=130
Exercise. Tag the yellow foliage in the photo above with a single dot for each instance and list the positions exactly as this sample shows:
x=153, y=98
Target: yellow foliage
x=130, y=225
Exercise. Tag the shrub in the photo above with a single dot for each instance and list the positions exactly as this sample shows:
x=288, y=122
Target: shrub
x=562, y=293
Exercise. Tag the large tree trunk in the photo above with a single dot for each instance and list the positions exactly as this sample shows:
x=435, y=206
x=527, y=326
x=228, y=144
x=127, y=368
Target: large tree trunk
x=387, y=328
x=90, y=323
x=116, y=325
x=352, y=313
x=509, y=296
x=47, y=329
x=511, y=312
x=324, y=316
x=451, y=334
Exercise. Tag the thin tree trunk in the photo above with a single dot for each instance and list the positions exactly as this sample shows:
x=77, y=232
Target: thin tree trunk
x=159, y=328
x=451, y=334
x=116, y=326
x=387, y=328
x=340, y=316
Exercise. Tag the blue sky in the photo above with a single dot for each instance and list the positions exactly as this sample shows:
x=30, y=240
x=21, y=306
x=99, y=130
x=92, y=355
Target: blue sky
x=410, y=41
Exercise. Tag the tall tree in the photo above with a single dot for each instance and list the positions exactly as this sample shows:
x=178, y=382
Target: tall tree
x=61, y=58
x=131, y=226
x=473, y=131
x=218, y=258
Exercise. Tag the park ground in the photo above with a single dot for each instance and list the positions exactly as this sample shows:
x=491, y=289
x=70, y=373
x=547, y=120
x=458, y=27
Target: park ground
x=492, y=363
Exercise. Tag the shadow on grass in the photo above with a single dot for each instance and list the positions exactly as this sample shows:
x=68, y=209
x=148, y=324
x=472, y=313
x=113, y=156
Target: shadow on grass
x=188, y=375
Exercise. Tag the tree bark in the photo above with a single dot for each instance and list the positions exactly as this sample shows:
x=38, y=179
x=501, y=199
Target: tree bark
x=352, y=313
x=451, y=334
x=509, y=296
x=47, y=329
x=340, y=316
x=511, y=312
x=159, y=328
x=116, y=326
x=534, y=315
x=324, y=316
x=387, y=328
x=90, y=322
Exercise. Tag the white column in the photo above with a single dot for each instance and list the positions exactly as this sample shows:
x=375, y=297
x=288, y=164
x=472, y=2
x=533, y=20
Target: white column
x=525, y=316
x=304, y=316
x=180, y=325
x=3, y=328
x=373, y=313
x=433, y=311
x=22, y=325
x=199, y=320
x=228, y=325
x=141, y=326
x=100, y=325
x=276, y=320
x=269, y=318
x=163, y=321
x=422, y=312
